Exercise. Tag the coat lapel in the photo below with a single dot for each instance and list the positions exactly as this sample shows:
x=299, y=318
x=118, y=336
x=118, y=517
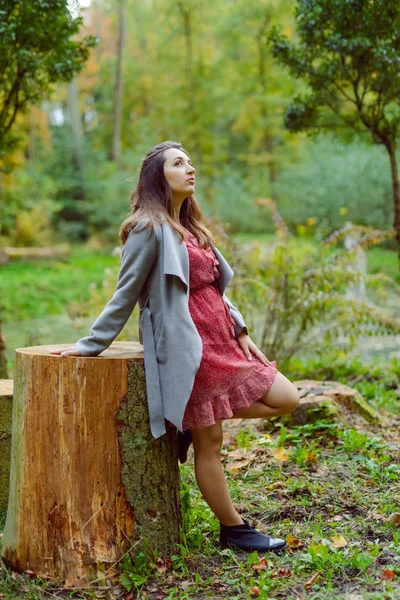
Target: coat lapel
x=176, y=259
x=175, y=255
x=224, y=269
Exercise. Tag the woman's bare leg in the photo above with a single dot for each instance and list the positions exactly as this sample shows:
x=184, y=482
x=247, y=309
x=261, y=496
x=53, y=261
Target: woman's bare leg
x=210, y=475
x=281, y=399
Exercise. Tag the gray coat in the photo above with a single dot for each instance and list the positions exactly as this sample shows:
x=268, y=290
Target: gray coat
x=155, y=271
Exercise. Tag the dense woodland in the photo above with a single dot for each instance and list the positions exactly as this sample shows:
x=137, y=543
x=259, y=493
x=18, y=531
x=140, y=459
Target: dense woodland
x=202, y=74
x=289, y=110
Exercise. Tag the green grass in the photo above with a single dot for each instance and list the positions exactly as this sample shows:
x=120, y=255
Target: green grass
x=36, y=290
x=337, y=481
x=337, y=484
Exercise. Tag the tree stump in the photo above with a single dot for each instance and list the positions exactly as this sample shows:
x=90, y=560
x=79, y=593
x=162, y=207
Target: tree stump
x=328, y=400
x=88, y=481
x=6, y=402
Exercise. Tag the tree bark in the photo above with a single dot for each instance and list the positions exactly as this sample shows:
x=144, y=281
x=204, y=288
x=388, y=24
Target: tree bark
x=391, y=148
x=88, y=482
x=77, y=134
x=268, y=145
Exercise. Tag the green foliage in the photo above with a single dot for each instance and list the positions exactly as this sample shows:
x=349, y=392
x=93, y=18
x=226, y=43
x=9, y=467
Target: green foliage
x=348, y=54
x=37, y=49
x=134, y=574
x=27, y=208
x=353, y=441
x=319, y=186
x=293, y=303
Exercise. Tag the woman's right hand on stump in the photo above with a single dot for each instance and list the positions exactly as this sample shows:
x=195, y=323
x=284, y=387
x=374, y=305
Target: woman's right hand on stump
x=67, y=352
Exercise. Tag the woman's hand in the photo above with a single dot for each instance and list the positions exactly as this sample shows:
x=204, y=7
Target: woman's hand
x=248, y=347
x=68, y=352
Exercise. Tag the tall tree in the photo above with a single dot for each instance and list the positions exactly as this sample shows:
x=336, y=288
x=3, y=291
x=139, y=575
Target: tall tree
x=117, y=127
x=36, y=51
x=348, y=53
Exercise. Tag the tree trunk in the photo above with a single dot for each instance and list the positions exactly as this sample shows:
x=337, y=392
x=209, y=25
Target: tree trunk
x=77, y=134
x=88, y=482
x=268, y=145
x=187, y=16
x=116, y=143
x=391, y=148
x=6, y=399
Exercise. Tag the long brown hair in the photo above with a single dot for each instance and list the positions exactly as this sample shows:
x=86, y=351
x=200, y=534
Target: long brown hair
x=152, y=196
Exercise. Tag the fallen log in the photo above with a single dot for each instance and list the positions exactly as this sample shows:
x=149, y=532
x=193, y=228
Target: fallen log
x=8, y=253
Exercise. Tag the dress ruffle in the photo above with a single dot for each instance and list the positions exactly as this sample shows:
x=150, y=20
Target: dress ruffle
x=243, y=395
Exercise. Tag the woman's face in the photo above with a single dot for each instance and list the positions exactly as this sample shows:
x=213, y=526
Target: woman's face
x=179, y=172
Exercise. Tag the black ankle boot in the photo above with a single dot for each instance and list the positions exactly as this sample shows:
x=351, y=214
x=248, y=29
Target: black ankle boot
x=184, y=441
x=248, y=539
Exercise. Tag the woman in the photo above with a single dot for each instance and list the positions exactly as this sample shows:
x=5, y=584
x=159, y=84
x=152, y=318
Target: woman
x=201, y=364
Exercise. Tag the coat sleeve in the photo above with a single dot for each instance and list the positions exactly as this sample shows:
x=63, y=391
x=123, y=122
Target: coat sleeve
x=138, y=256
x=236, y=316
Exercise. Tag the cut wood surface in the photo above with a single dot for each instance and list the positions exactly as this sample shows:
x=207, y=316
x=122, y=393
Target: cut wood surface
x=88, y=481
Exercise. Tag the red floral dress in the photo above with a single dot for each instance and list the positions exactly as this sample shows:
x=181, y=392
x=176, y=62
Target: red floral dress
x=226, y=380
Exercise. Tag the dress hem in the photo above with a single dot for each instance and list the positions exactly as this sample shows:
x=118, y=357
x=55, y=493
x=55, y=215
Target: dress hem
x=222, y=407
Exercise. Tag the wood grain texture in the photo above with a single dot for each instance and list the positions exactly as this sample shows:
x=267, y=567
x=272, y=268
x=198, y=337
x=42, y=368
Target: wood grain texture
x=88, y=481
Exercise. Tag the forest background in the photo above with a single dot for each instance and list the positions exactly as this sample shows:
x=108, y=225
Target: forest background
x=202, y=74
x=318, y=297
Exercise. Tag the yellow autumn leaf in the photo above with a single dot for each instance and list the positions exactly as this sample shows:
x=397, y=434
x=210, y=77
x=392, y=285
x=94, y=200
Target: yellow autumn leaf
x=338, y=541
x=280, y=454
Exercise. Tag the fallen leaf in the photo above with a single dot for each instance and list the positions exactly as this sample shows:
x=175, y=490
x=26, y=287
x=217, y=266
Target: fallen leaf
x=261, y=565
x=394, y=518
x=375, y=516
x=163, y=565
x=338, y=541
x=282, y=572
x=235, y=466
x=369, y=483
x=388, y=574
x=276, y=485
x=312, y=580
x=280, y=454
x=337, y=518
x=294, y=542
x=255, y=591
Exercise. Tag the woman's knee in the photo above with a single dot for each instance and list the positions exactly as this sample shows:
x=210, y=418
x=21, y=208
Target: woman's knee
x=292, y=399
x=208, y=439
x=283, y=394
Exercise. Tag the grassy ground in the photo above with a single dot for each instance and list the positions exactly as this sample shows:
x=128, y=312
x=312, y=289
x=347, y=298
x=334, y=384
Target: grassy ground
x=331, y=490
x=332, y=493
x=41, y=289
